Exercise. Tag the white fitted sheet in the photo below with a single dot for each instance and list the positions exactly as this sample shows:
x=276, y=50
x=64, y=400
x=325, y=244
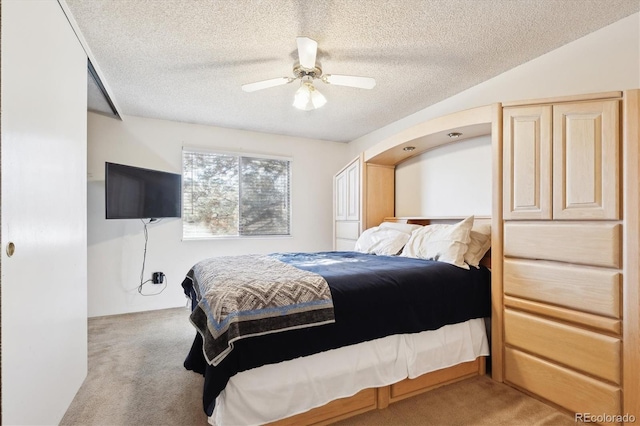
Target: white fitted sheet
x=277, y=391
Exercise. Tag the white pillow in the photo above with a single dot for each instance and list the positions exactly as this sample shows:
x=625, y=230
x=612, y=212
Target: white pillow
x=479, y=244
x=444, y=243
x=403, y=227
x=381, y=241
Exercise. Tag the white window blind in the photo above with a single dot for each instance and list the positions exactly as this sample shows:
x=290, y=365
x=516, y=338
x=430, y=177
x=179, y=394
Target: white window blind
x=235, y=195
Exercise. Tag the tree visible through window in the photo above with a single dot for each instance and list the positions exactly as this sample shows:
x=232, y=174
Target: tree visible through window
x=227, y=194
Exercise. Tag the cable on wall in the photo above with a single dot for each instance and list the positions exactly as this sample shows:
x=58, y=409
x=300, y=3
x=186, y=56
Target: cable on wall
x=144, y=260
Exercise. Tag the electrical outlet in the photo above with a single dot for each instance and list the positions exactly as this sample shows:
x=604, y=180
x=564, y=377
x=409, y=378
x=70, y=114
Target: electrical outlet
x=157, y=278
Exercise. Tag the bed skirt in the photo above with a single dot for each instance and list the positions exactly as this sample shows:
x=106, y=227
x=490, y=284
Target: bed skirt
x=277, y=391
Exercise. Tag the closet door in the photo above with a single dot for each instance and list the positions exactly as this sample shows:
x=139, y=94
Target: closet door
x=341, y=196
x=347, y=223
x=586, y=159
x=527, y=162
x=353, y=191
x=43, y=209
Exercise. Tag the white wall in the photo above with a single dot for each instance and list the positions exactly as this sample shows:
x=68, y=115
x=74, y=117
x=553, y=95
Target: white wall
x=606, y=60
x=115, y=247
x=452, y=180
x=44, y=290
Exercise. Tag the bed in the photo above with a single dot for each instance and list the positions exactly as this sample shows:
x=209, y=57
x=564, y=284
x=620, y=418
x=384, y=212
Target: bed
x=392, y=326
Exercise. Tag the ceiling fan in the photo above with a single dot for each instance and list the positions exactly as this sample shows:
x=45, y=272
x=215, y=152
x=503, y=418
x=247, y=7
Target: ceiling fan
x=307, y=70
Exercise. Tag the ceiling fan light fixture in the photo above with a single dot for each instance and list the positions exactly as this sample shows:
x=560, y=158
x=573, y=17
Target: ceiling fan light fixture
x=307, y=70
x=317, y=99
x=308, y=98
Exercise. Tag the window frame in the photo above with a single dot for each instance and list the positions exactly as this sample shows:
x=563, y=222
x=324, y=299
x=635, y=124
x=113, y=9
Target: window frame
x=238, y=154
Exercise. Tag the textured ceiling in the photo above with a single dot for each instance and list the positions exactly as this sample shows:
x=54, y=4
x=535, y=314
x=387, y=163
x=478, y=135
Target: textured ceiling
x=186, y=60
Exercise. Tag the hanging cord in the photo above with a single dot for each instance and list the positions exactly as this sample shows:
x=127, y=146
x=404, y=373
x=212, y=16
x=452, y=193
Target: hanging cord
x=144, y=260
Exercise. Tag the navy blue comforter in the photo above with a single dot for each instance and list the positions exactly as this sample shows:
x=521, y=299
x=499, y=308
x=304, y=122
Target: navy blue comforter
x=373, y=297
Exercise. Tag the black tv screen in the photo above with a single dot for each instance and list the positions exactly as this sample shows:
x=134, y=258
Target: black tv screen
x=137, y=193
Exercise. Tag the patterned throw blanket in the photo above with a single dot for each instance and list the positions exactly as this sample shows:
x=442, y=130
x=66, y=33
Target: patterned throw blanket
x=251, y=295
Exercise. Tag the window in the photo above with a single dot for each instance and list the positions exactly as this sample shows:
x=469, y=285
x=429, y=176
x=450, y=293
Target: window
x=228, y=194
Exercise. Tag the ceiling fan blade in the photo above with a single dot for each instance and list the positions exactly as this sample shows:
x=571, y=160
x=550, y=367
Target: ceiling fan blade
x=265, y=84
x=350, y=80
x=307, y=50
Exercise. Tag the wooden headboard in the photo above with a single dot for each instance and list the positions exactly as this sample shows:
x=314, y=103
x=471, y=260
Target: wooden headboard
x=486, y=260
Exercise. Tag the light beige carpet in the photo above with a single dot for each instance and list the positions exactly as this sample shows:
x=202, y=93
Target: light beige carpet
x=475, y=401
x=136, y=377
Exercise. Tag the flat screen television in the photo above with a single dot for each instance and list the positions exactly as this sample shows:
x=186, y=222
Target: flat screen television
x=137, y=193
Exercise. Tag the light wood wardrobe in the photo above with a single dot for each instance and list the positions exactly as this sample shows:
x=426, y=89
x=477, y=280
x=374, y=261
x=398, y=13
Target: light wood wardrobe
x=570, y=270
x=565, y=239
x=363, y=197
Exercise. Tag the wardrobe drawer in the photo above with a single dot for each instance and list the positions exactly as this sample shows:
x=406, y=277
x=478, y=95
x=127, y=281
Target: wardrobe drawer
x=345, y=245
x=587, y=351
x=410, y=387
x=587, y=243
x=604, y=324
x=363, y=401
x=591, y=290
x=574, y=391
x=348, y=230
